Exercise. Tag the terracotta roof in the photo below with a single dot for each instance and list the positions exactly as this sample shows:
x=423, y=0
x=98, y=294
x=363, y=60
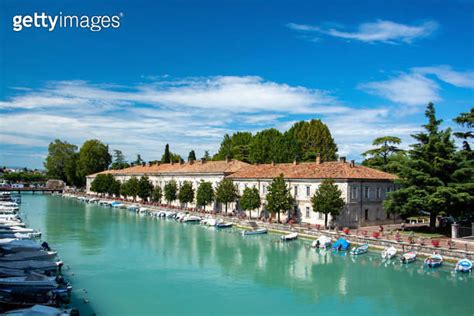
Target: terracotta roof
x=311, y=170
x=221, y=166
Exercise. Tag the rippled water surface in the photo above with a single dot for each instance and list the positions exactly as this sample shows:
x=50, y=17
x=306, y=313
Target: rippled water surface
x=126, y=264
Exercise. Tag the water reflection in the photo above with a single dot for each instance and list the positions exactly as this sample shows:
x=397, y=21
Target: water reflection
x=156, y=255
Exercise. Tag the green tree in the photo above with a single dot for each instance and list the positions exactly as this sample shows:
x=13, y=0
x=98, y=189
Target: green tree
x=157, y=194
x=428, y=179
x=279, y=196
x=70, y=169
x=313, y=138
x=384, y=153
x=103, y=183
x=60, y=161
x=250, y=200
x=465, y=120
x=236, y=146
x=206, y=156
x=145, y=188
x=119, y=160
x=264, y=146
x=130, y=188
x=166, y=156
x=226, y=192
x=171, y=190
x=93, y=157
x=327, y=200
x=205, y=194
x=192, y=156
x=139, y=160
x=186, y=193
x=114, y=187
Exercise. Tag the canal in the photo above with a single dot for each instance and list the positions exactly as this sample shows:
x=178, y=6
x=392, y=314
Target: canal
x=121, y=263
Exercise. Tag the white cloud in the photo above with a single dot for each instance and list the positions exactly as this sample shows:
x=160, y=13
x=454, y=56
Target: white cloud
x=408, y=89
x=379, y=31
x=447, y=74
x=192, y=113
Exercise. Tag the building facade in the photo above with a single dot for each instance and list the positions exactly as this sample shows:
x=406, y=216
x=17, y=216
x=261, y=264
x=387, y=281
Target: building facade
x=363, y=189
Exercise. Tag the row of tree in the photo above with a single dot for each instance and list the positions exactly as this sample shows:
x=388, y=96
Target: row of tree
x=303, y=142
x=327, y=199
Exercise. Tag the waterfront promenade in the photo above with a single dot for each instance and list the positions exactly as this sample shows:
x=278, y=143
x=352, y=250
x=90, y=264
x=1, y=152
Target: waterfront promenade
x=391, y=236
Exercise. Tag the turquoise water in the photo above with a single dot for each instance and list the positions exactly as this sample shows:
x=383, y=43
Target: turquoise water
x=126, y=264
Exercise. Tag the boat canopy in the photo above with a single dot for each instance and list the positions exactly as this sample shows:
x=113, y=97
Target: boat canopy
x=342, y=242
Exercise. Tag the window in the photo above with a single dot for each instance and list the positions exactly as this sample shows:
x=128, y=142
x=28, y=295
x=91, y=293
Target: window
x=354, y=192
x=264, y=188
x=388, y=215
x=295, y=188
x=308, y=190
x=366, y=192
x=320, y=215
x=389, y=189
x=379, y=192
x=307, y=211
x=366, y=215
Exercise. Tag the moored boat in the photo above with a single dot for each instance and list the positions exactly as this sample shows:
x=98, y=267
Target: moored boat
x=341, y=244
x=192, y=219
x=42, y=310
x=322, y=242
x=463, y=265
x=389, y=253
x=29, y=255
x=408, y=257
x=223, y=224
x=433, y=261
x=289, y=237
x=360, y=250
x=32, y=265
x=257, y=231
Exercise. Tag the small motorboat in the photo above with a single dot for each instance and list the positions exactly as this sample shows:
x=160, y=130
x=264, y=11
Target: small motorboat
x=289, y=237
x=322, y=242
x=360, y=250
x=434, y=261
x=389, y=253
x=27, y=297
x=32, y=280
x=257, y=231
x=223, y=225
x=209, y=221
x=42, y=310
x=32, y=265
x=191, y=219
x=18, y=245
x=29, y=255
x=408, y=257
x=463, y=265
x=341, y=244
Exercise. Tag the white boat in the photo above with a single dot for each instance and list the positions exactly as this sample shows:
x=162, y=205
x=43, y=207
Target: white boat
x=360, y=250
x=41, y=310
x=222, y=224
x=180, y=216
x=143, y=210
x=16, y=229
x=408, y=257
x=257, y=231
x=192, y=219
x=389, y=253
x=433, y=261
x=209, y=221
x=322, y=242
x=289, y=237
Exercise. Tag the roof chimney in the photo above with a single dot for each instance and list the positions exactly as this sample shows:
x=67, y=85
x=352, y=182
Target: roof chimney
x=273, y=163
x=203, y=160
x=353, y=163
x=171, y=162
x=150, y=163
x=181, y=162
x=318, y=158
x=227, y=159
x=191, y=161
x=342, y=159
x=143, y=164
x=295, y=162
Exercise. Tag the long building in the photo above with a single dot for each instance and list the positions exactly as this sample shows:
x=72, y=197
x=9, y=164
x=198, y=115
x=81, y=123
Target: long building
x=363, y=189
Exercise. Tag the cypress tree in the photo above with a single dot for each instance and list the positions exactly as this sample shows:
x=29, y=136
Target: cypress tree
x=166, y=156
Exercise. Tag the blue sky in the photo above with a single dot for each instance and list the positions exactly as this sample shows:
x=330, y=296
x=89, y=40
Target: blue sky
x=187, y=72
